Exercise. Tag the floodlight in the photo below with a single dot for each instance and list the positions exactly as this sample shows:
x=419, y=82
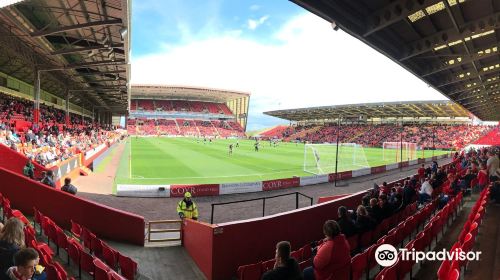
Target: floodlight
x=123, y=32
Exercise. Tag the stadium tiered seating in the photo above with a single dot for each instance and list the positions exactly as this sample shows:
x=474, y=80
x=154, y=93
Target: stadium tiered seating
x=181, y=106
x=206, y=128
x=168, y=127
x=187, y=127
x=439, y=136
x=275, y=132
x=102, y=264
x=163, y=105
x=466, y=239
x=212, y=108
x=410, y=228
x=492, y=138
x=225, y=110
x=145, y=105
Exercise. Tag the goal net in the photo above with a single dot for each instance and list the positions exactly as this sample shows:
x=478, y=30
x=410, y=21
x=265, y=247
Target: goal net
x=320, y=158
x=399, y=151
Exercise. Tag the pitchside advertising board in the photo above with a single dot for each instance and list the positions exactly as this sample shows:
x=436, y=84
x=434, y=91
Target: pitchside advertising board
x=240, y=187
x=143, y=190
x=195, y=190
x=313, y=180
x=280, y=184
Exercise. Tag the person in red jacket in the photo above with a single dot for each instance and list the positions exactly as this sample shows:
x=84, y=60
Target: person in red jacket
x=333, y=259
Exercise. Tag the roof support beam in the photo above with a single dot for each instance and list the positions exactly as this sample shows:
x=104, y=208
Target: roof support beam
x=450, y=35
x=455, y=79
x=88, y=64
x=77, y=50
x=465, y=60
x=41, y=33
x=394, y=12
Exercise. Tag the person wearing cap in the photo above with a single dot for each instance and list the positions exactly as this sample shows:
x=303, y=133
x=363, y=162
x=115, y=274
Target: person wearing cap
x=186, y=208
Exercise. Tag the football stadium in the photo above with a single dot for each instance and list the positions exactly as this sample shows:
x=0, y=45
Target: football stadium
x=112, y=173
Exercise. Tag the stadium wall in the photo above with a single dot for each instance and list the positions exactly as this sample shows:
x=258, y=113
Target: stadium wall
x=198, y=190
x=106, y=222
x=230, y=250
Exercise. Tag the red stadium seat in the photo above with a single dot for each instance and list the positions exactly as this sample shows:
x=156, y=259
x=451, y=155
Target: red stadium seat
x=250, y=272
x=101, y=270
x=110, y=256
x=268, y=265
x=128, y=267
x=359, y=264
x=389, y=273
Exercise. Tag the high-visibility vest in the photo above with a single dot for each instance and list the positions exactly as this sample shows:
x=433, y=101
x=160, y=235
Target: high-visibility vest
x=189, y=212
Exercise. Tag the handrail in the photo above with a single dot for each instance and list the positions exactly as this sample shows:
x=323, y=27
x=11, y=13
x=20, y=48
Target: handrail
x=263, y=202
x=163, y=230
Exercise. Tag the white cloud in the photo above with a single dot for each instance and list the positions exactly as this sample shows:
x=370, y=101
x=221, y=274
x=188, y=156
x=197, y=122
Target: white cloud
x=254, y=23
x=311, y=65
x=254, y=7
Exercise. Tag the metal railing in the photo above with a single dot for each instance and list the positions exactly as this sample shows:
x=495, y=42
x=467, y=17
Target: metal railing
x=263, y=202
x=151, y=230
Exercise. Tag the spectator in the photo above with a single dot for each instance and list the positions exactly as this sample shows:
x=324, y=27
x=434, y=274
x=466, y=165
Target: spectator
x=482, y=177
x=376, y=210
x=386, y=209
x=346, y=223
x=68, y=187
x=48, y=179
x=363, y=221
x=421, y=172
x=385, y=189
x=375, y=191
x=29, y=169
x=11, y=240
x=493, y=164
x=26, y=263
x=333, y=254
x=425, y=191
x=408, y=194
x=285, y=267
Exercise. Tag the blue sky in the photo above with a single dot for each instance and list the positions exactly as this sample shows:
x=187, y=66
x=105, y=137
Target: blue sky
x=283, y=55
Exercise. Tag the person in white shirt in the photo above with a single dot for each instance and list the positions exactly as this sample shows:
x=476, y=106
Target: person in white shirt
x=425, y=191
x=492, y=166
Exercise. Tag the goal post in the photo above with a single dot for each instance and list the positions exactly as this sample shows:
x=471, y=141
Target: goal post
x=321, y=158
x=399, y=151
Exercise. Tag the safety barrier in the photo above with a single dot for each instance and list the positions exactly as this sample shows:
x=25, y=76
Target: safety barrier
x=151, y=231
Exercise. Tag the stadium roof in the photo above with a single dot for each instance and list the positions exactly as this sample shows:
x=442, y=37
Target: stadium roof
x=412, y=109
x=81, y=46
x=185, y=93
x=452, y=45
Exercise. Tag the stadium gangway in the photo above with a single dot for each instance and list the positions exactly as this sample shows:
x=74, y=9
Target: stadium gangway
x=263, y=202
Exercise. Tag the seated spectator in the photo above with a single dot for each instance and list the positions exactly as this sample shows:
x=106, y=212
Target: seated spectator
x=11, y=241
x=285, y=267
x=26, y=266
x=385, y=189
x=386, y=209
x=482, y=177
x=48, y=179
x=29, y=169
x=68, y=187
x=376, y=210
x=375, y=191
x=346, y=223
x=425, y=191
x=408, y=194
x=363, y=221
x=333, y=254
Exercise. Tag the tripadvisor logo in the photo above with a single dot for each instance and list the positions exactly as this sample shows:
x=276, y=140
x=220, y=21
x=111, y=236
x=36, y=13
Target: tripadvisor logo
x=387, y=255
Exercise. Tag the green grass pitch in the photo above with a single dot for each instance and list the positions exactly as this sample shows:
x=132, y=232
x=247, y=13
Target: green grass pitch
x=156, y=160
